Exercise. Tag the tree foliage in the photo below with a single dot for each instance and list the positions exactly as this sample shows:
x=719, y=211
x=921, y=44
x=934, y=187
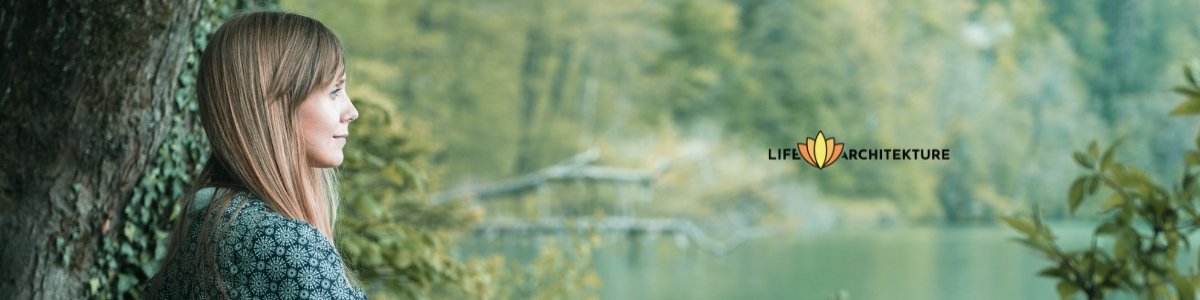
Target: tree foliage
x=458, y=93
x=399, y=244
x=507, y=86
x=1144, y=229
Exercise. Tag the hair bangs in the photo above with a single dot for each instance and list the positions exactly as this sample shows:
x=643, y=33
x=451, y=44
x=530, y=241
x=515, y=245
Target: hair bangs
x=327, y=60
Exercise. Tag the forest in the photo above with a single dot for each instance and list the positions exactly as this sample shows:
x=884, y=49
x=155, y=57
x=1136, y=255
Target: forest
x=691, y=93
x=503, y=89
x=650, y=149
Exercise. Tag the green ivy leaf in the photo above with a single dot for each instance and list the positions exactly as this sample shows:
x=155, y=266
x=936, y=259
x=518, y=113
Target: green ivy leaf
x=1066, y=289
x=1075, y=197
x=1082, y=160
x=1124, y=245
x=1113, y=201
x=1093, y=185
x=1189, y=91
x=125, y=282
x=1022, y=225
x=1184, y=287
x=1192, y=158
x=94, y=285
x=1189, y=75
x=1053, y=272
x=1109, y=229
x=1190, y=106
x=1106, y=159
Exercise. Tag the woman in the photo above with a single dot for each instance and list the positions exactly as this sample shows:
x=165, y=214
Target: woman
x=259, y=222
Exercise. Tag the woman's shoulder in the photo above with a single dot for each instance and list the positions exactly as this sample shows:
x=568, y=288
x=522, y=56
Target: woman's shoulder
x=266, y=253
x=250, y=220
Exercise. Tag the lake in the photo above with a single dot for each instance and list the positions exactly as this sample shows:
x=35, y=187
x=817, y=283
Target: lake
x=976, y=262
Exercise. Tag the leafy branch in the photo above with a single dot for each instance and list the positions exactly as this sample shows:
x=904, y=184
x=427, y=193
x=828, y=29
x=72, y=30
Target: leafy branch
x=1145, y=225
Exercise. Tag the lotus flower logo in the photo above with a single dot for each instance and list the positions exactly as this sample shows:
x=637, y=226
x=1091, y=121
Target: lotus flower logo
x=820, y=152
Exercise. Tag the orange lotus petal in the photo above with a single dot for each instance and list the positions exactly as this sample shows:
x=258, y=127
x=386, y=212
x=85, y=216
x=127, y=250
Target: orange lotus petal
x=811, y=145
x=804, y=152
x=837, y=152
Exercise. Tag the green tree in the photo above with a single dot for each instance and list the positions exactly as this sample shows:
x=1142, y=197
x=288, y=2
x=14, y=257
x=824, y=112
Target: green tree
x=97, y=139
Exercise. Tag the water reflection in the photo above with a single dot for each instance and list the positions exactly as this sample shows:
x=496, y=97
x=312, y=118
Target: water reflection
x=979, y=262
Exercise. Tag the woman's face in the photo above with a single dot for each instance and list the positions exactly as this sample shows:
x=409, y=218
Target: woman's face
x=325, y=117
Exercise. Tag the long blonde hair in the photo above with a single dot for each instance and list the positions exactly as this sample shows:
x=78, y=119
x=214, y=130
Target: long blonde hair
x=254, y=73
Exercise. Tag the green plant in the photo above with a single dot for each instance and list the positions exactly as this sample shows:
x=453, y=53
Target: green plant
x=393, y=238
x=126, y=260
x=562, y=270
x=400, y=244
x=1145, y=226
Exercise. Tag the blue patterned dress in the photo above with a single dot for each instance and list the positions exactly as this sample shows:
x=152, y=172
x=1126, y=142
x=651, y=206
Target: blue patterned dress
x=262, y=255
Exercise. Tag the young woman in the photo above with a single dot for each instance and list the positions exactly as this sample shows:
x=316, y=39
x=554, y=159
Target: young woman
x=259, y=222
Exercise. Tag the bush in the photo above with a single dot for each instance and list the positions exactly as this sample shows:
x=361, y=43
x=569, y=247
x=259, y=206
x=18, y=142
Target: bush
x=1144, y=228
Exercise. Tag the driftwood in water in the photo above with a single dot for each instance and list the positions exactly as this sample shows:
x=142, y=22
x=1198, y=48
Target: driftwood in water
x=577, y=167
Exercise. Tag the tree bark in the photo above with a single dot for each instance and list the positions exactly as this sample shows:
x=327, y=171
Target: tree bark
x=532, y=82
x=86, y=99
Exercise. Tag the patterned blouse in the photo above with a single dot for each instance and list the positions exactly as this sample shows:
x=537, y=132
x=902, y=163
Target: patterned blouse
x=262, y=255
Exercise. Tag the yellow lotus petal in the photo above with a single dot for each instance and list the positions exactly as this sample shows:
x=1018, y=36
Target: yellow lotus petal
x=821, y=153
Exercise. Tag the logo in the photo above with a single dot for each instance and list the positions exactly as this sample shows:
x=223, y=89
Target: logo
x=821, y=152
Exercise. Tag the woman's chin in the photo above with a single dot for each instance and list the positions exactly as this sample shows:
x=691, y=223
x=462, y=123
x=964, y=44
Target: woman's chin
x=326, y=162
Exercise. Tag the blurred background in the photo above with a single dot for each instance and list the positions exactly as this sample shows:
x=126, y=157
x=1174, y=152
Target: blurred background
x=619, y=149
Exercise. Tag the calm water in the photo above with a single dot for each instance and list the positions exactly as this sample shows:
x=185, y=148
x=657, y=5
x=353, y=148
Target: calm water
x=911, y=263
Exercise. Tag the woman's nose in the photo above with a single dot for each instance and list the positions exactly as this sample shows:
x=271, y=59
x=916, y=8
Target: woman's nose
x=352, y=114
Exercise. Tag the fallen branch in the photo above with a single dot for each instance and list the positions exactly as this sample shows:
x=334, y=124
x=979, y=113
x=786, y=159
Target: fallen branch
x=576, y=168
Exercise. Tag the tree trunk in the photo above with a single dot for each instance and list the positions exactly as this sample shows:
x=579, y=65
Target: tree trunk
x=532, y=82
x=88, y=94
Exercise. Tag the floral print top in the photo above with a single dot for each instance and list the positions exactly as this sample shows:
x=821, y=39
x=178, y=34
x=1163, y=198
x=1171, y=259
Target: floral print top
x=260, y=255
